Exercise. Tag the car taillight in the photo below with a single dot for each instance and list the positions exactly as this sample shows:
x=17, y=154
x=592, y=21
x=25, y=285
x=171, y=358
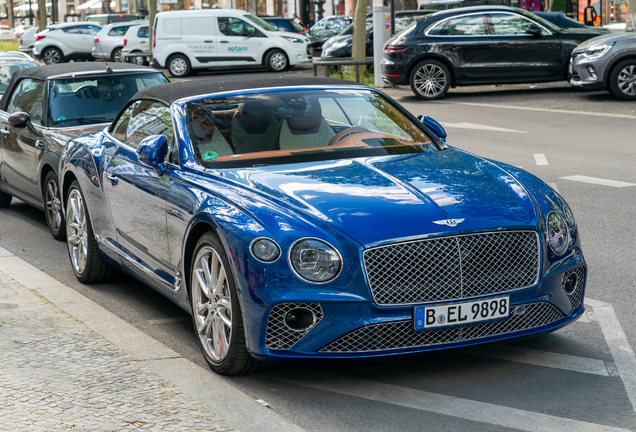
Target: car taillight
x=96, y=39
x=395, y=48
x=39, y=37
x=20, y=41
x=154, y=37
x=125, y=42
x=120, y=15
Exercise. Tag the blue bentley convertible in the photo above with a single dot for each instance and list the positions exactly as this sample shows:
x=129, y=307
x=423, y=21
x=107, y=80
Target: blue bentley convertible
x=303, y=219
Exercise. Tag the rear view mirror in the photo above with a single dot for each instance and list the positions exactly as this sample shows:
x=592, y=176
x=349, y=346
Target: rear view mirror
x=152, y=151
x=433, y=126
x=19, y=120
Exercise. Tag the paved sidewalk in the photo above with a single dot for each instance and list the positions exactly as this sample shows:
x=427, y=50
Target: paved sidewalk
x=56, y=374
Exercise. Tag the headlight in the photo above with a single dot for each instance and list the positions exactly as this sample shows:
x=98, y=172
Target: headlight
x=292, y=39
x=557, y=233
x=315, y=260
x=598, y=51
x=569, y=216
x=265, y=249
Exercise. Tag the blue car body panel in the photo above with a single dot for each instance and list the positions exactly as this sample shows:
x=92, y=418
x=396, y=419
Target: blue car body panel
x=353, y=204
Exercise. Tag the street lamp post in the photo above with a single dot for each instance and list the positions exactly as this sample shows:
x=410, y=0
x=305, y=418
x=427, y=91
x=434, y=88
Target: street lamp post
x=142, y=11
x=30, y=16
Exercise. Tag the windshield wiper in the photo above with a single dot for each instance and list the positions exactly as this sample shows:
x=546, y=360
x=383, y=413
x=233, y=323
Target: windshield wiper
x=83, y=120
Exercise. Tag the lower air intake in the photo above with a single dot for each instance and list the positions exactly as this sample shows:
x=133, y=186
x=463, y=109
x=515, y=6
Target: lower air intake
x=577, y=294
x=280, y=336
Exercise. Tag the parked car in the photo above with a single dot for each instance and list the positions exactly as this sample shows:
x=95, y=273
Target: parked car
x=289, y=25
x=104, y=19
x=63, y=42
x=27, y=41
x=439, y=5
x=561, y=20
x=44, y=107
x=326, y=28
x=6, y=32
x=316, y=220
x=342, y=44
x=479, y=45
x=109, y=42
x=136, y=43
x=19, y=30
x=221, y=38
x=11, y=62
x=607, y=63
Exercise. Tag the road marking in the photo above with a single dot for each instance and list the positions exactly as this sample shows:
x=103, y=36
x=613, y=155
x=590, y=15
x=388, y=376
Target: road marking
x=598, y=181
x=168, y=320
x=622, y=353
x=596, y=114
x=541, y=358
x=441, y=404
x=478, y=127
x=540, y=159
x=553, y=186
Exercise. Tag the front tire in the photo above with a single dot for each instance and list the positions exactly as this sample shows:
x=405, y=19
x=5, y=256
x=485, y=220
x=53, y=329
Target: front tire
x=277, y=61
x=216, y=312
x=87, y=264
x=430, y=80
x=623, y=80
x=179, y=66
x=5, y=199
x=52, y=56
x=53, y=206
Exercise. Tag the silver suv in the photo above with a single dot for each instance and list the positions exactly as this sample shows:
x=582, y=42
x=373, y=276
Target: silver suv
x=607, y=62
x=110, y=40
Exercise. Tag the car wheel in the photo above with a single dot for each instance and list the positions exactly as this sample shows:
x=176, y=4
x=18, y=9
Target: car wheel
x=216, y=312
x=623, y=80
x=5, y=199
x=116, y=55
x=52, y=56
x=179, y=66
x=430, y=80
x=87, y=264
x=276, y=61
x=53, y=206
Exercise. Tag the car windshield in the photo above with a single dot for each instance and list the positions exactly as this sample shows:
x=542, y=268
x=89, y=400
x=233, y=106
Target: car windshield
x=7, y=70
x=297, y=27
x=542, y=21
x=349, y=29
x=79, y=101
x=261, y=23
x=290, y=126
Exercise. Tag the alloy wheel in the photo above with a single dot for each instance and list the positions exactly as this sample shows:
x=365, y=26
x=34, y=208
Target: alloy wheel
x=627, y=80
x=178, y=67
x=117, y=56
x=278, y=61
x=430, y=80
x=77, y=231
x=212, y=303
x=53, y=205
x=52, y=56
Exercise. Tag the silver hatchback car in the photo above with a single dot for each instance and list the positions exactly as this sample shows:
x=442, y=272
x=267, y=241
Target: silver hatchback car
x=110, y=40
x=607, y=62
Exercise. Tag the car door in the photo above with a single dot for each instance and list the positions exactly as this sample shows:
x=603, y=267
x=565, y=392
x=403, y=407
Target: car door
x=87, y=38
x=238, y=42
x=199, y=37
x=22, y=145
x=522, y=56
x=466, y=42
x=137, y=193
x=72, y=39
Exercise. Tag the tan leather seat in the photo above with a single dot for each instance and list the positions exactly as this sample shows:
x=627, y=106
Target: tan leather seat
x=254, y=128
x=305, y=131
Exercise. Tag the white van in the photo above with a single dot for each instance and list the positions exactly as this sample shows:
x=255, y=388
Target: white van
x=221, y=38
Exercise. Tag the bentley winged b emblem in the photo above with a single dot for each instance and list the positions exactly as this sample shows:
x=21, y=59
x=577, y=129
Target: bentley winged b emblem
x=449, y=222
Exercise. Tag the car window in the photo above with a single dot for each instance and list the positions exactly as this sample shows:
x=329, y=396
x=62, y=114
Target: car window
x=142, y=119
x=118, y=31
x=471, y=25
x=320, y=25
x=7, y=70
x=256, y=20
x=90, y=29
x=509, y=24
x=234, y=26
x=142, y=32
x=28, y=97
x=73, y=29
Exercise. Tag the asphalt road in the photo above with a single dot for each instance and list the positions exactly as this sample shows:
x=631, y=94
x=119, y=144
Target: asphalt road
x=577, y=378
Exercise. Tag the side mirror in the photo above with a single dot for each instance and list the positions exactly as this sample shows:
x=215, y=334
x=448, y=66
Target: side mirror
x=433, y=126
x=533, y=30
x=152, y=151
x=19, y=120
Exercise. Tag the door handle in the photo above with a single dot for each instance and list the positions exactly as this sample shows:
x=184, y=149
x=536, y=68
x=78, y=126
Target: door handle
x=113, y=178
x=143, y=41
x=39, y=145
x=225, y=41
x=209, y=41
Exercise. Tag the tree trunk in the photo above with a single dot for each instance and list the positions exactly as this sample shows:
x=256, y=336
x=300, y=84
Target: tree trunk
x=10, y=13
x=152, y=11
x=41, y=14
x=359, y=48
x=106, y=6
x=180, y=4
x=630, y=24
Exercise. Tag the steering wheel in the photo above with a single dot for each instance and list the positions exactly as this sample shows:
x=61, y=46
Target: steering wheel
x=88, y=90
x=345, y=132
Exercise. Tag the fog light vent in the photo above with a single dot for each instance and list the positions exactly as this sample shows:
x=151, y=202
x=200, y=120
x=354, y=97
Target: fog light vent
x=572, y=284
x=591, y=71
x=288, y=323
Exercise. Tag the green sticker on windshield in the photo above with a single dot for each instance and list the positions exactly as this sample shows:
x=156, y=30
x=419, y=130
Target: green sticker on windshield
x=209, y=156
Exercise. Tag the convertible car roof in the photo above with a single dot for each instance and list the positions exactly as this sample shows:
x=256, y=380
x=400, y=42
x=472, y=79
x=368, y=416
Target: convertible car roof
x=168, y=93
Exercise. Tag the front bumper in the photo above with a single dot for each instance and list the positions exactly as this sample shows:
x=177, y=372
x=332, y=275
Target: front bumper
x=588, y=74
x=299, y=54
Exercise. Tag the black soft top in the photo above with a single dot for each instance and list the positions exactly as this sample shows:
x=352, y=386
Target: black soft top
x=168, y=93
x=69, y=70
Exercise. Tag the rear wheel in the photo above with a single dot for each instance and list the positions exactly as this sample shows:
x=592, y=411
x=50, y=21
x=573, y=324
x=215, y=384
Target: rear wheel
x=276, y=61
x=52, y=56
x=87, y=264
x=216, y=312
x=623, y=80
x=179, y=66
x=53, y=206
x=5, y=199
x=430, y=80
x=116, y=55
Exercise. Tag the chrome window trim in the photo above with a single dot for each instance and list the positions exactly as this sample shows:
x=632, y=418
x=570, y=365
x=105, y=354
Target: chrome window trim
x=442, y=22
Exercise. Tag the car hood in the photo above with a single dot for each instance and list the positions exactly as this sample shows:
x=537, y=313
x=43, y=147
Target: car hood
x=612, y=37
x=584, y=31
x=335, y=39
x=395, y=198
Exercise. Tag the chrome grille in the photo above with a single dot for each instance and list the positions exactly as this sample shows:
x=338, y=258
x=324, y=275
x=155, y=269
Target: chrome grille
x=400, y=334
x=577, y=294
x=279, y=336
x=450, y=268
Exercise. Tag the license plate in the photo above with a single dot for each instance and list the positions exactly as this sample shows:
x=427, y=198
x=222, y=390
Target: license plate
x=427, y=317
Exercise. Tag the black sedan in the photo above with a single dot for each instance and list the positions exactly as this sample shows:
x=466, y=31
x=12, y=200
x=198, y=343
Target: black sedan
x=479, y=45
